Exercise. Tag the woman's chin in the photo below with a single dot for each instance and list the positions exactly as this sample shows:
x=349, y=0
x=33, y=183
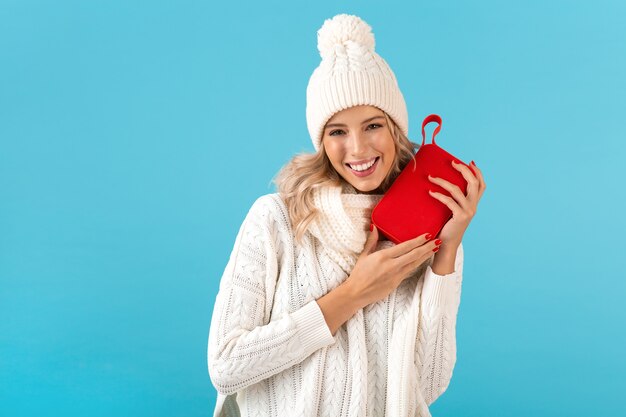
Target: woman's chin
x=370, y=187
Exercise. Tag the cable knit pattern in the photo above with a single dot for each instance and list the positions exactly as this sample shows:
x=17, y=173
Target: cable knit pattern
x=270, y=352
x=350, y=73
x=343, y=222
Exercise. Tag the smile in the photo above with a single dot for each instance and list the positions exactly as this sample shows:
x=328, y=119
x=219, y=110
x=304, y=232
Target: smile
x=363, y=170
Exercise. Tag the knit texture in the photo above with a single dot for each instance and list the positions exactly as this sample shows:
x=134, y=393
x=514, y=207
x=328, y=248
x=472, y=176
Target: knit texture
x=343, y=222
x=350, y=73
x=270, y=352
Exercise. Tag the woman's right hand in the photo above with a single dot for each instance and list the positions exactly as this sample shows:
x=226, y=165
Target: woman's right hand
x=377, y=274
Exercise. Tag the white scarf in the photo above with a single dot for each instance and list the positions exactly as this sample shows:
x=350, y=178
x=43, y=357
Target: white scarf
x=343, y=222
x=342, y=228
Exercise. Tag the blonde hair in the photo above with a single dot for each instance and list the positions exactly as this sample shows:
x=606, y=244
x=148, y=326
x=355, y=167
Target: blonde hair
x=305, y=172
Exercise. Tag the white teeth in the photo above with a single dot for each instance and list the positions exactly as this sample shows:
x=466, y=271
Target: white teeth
x=362, y=167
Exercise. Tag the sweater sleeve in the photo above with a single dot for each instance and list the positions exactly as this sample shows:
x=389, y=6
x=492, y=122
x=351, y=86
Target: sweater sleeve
x=244, y=346
x=436, y=334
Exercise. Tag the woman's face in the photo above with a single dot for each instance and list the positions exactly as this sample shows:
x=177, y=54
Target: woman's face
x=360, y=147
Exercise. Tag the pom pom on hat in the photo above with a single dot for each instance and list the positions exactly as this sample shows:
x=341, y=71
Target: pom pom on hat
x=351, y=73
x=341, y=30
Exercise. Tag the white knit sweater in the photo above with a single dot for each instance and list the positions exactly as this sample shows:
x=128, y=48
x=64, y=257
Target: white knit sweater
x=270, y=352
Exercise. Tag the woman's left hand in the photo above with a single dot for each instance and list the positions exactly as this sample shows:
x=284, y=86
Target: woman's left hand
x=463, y=206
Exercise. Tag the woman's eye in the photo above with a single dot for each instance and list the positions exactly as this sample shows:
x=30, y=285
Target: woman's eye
x=341, y=132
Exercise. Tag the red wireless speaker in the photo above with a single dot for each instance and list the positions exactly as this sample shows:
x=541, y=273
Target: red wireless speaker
x=407, y=210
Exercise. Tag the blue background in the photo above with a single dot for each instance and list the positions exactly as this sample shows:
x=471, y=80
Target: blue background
x=134, y=136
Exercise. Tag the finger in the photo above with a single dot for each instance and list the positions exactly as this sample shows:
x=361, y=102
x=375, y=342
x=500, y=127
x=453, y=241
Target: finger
x=453, y=189
x=448, y=201
x=409, y=245
x=415, y=258
x=410, y=269
x=371, y=241
x=473, y=183
x=481, y=179
x=422, y=251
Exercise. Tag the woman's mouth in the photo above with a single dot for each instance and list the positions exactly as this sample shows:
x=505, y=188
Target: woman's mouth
x=363, y=170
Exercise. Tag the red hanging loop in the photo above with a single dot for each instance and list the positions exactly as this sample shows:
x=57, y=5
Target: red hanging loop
x=431, y=118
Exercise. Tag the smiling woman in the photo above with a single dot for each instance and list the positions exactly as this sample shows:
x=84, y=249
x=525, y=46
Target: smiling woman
x=362, y=150
x=314, y=315
x=353, y=135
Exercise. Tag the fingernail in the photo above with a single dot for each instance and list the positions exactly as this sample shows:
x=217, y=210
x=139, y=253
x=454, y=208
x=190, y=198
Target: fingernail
x=436, y=249
x=473, y=163
x=429, y=236
x=371, y=227
x=438, y=242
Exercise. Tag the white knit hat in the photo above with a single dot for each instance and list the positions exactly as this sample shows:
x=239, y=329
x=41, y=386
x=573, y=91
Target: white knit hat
x=351, y=73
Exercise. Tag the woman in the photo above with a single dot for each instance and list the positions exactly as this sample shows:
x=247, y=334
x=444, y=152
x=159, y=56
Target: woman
x=315, y=316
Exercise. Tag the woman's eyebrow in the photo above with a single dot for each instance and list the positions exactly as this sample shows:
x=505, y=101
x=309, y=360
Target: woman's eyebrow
x=363, y=122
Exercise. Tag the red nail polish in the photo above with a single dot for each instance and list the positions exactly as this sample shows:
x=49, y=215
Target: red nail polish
x=473, y=163
x=429, y=236
x=371, y=227
x=436, y=249
x=438, y=242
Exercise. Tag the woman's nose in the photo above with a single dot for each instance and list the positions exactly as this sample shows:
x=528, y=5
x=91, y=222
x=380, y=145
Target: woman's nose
x=357, y=143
